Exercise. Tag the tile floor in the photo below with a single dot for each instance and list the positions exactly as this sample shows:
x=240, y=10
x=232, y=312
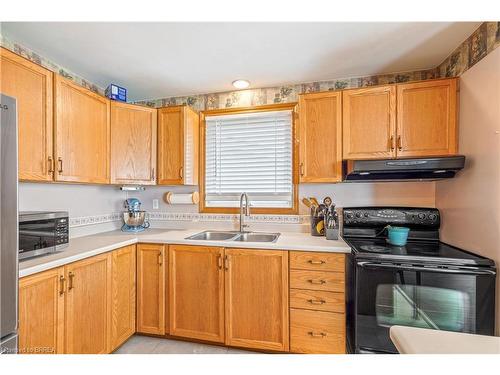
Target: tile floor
x=152, y=345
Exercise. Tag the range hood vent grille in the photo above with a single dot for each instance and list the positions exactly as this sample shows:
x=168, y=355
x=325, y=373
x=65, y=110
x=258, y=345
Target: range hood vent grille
x=403, y=169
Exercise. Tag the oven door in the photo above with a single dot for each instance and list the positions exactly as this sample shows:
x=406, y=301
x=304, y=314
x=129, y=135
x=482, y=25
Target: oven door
x=460, y=300
x=36, y=237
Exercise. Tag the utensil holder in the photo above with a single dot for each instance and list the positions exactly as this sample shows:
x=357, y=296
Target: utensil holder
x=317, y=223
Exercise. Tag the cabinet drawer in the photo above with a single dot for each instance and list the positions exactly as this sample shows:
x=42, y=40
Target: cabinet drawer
x=317, y=261
x=317, y=332
x=317, y=280
x=317, y=300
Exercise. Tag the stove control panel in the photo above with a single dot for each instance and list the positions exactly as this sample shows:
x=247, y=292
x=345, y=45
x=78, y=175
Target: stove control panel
x=371, y=216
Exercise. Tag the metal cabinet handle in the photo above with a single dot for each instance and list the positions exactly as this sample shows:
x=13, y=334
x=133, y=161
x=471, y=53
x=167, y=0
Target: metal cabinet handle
x=153, y=174
x=71, y=275
x=316, y=261
x=160, y=258
x=318, y=335
x=60, y=162
x=392, y=143
x=317, y=282
x=219, y=261
x=226, y=262
x=181, y=172
x=316, y=301
x=400, y=144
x=51, y=165
x=301, y=169
x=61, y=285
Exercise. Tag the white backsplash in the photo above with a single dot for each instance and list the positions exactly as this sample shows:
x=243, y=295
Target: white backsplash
x=95, y=208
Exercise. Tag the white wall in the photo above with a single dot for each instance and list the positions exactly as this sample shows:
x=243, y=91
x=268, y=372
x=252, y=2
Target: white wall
x=87, y=200
x=79, y=200
x=470, y=203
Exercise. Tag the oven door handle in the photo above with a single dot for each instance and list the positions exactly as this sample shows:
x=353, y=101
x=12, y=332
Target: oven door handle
x=463, y=271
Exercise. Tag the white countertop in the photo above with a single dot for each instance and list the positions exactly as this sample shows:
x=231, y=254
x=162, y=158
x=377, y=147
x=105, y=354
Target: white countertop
x=410, y=340
x=84, y=247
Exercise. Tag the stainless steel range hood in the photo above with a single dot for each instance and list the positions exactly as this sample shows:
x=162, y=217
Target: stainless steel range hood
x=402, y=169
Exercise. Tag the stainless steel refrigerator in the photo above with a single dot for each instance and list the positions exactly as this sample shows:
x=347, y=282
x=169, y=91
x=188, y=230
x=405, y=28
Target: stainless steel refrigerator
x=9, y=237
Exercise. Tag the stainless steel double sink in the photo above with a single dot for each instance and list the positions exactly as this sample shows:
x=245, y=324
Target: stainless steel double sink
x=234, y=236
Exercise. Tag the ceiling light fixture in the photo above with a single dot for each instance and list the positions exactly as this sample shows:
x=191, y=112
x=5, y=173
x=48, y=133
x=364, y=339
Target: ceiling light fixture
x=241, y=83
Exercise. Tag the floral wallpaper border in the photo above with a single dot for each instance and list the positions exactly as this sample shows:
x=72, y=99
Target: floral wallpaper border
x=479, y=44
x=190, y=217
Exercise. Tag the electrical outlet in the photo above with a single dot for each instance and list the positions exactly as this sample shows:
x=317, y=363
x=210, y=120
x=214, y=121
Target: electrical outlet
x=156, y=204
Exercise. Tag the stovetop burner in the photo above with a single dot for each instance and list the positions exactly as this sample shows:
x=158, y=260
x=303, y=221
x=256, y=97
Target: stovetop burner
x=375, y=249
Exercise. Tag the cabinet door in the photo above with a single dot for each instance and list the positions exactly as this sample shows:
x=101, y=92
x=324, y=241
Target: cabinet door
x=196, y=292
x=31, y=85
x=369, y=123
x=123, y=267
x=257, y=299
x=151, y=289
x=427, y=118
x=171, y=146
x=133, y=144
x=81, y=134
x=88, y=301
x=41, y=313
x=320, y=137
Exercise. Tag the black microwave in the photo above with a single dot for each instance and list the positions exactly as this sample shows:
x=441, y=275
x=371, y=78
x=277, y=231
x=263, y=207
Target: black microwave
x=42, y=232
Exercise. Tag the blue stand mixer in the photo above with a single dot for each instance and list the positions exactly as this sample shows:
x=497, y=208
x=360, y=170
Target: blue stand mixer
x=134, y=219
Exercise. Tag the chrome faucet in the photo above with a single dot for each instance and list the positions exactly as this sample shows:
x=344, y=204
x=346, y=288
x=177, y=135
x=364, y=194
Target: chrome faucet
x=247, y=211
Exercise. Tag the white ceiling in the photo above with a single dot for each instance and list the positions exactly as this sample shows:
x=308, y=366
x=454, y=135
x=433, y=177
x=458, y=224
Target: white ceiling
x=154, y=60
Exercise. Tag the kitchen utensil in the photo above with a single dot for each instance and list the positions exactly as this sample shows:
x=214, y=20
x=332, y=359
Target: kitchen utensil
x=314, y=201
x=307, y=202
x=327, y=201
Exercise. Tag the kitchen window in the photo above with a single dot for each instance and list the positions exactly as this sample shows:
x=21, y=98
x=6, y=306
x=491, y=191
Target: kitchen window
x=249, y=150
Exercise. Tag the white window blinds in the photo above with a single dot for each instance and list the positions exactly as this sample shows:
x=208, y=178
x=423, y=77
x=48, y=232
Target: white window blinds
x=249, y=153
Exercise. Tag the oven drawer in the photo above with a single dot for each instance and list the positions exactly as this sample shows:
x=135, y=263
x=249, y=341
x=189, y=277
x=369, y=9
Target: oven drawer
x=317, y=332
x=317, y=280
x=317, y=300
x=317, y=261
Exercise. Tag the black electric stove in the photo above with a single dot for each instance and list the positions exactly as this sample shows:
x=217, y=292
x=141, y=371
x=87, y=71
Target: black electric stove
x=425, y=283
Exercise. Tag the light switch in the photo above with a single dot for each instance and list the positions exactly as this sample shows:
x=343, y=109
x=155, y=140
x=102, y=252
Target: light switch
x=156, y=204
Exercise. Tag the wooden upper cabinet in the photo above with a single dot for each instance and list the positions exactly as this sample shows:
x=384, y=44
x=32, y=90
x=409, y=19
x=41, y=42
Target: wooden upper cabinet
x=88, y=303
x=369, y=123
x=123, y=268
x=151, y=289
x=41, y=313
x=320, y=137
x=82, y=134
x=196, y=292
x=133, y=144
x=427, y=118
x=31, y=85
x=178, y=139
x=256, y=291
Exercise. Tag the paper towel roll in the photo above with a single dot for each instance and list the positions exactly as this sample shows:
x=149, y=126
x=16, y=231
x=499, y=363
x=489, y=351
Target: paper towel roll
x=186, y=198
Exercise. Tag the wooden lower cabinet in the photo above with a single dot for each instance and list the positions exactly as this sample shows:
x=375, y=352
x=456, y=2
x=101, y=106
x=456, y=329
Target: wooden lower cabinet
x=196, y=292
x=85, y=307
x=317, y=301
x=123, y=266
x=257, y=299
x=317, y=332
x=88, y=306
x=41, y=313
x=151, y=282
